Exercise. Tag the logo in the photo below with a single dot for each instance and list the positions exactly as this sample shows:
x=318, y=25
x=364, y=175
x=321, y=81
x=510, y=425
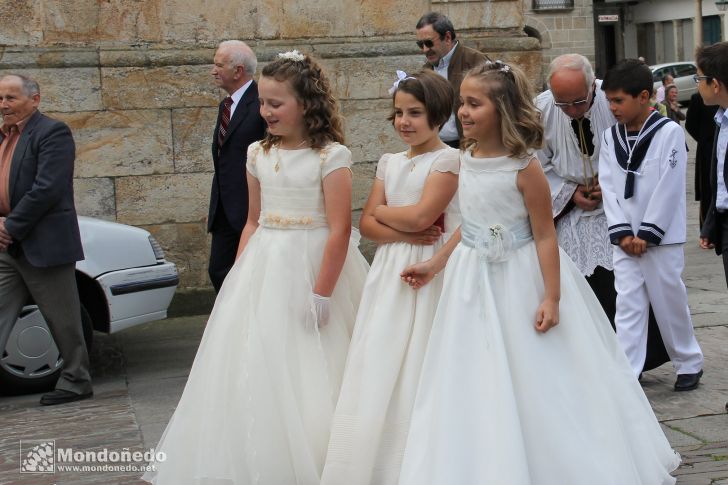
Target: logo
x=38, y=456
x=673, y=158
x=42, y=456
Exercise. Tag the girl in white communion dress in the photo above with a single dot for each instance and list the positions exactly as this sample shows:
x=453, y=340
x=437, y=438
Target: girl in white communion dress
x=412, y=191
x=259, y=400
x=507, y=396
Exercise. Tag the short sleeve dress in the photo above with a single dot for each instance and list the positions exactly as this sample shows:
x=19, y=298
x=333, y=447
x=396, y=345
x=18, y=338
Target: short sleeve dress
x=259, y=399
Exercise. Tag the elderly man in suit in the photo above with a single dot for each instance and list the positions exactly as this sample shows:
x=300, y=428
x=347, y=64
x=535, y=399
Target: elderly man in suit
x=450, y=59
x=39, y=237
x=238, y=125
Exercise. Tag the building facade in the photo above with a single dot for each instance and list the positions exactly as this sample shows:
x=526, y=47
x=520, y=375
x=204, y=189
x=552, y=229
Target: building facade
x=658, y=30
x=562, y=27
x=132, y=80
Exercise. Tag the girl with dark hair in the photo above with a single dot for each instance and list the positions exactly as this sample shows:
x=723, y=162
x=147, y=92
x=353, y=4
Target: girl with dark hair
x=258, y=403
x=410, y=215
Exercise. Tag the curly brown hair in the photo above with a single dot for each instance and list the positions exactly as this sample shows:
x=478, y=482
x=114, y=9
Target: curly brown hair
x=509, y=90
x=321, y=116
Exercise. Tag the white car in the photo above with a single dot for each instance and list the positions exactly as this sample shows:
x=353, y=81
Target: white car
x=682, y=73
x=123, y=281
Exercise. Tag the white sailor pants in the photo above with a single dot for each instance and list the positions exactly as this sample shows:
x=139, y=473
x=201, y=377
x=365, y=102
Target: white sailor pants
x=656, y=278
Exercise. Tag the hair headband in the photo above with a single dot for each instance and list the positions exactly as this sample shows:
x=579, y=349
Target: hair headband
x=293, y=55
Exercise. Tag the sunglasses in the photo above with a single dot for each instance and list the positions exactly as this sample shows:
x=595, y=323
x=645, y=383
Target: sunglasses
x=425, y=43
x=697, y=78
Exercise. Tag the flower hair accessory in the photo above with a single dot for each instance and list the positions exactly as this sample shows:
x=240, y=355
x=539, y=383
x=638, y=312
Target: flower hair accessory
x=499, y=65
x=401, y=76
x=293, y=55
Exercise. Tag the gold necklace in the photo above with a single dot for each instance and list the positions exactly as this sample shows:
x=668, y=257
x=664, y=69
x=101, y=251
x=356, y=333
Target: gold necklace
x=411, y=157
x=277, y=166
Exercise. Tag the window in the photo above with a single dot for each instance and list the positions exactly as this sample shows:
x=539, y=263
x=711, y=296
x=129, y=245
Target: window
x=683, y=70
x=552, y=4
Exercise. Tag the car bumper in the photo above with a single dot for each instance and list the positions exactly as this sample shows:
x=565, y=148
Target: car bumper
x=139, y=295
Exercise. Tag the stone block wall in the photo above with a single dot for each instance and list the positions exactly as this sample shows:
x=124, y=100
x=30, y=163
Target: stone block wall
x=562, y=31
x=132, y=81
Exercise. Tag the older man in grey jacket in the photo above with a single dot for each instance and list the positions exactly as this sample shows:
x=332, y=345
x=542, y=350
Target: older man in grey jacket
x=39, y=236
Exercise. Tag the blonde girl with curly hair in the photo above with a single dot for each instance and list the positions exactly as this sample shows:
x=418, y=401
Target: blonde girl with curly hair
x=260, y=397
x=523, y=381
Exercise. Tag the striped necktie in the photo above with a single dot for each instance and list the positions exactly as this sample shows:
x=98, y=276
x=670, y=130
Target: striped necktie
x=224, y=120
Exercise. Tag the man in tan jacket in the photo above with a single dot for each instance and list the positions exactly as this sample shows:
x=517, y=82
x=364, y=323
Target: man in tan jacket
x=450, y=59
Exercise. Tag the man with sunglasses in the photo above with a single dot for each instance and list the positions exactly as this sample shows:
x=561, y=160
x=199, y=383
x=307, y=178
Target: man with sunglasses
x=575, y=112
x=450, y=59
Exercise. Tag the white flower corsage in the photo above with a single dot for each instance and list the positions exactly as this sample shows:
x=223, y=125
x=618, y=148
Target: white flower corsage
x=497, y=245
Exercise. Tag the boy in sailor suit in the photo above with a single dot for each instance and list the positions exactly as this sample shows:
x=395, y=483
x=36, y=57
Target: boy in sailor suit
x=642, y=175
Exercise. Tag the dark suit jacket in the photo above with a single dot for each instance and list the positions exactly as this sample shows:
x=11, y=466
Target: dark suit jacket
x=42, y=219
x=714, y=220
x=700, y=124
x=462, y=60
x=229, y=184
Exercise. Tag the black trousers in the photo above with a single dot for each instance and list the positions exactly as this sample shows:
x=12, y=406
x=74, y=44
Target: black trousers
x=721, y=219
x=225, y=239
x=602, y=283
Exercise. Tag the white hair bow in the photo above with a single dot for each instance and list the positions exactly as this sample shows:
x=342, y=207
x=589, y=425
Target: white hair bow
x=401, y=76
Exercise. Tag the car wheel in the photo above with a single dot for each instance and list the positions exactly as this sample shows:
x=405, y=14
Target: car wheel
x=30, y=361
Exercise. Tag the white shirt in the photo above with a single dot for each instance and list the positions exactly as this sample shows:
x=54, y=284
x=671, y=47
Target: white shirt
x=660, y=94
x=449, y=131
x=721, y=119
x=237, y=95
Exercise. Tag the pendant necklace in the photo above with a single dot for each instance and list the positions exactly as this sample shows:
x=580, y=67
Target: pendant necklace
x=277, y=166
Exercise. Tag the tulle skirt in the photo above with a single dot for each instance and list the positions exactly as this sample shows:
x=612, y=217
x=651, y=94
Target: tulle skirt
x=499, y=403
x=392, y=329
x=259, y=399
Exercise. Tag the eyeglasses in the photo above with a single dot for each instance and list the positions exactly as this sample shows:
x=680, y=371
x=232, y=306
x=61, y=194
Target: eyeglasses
x=697, y=78
x=580, y=102
x=425, y=43
x=573, y=104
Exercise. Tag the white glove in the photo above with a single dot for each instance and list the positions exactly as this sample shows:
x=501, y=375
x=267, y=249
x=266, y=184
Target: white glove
x=321, y=308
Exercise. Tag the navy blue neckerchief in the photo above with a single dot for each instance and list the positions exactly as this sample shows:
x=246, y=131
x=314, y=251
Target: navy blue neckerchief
x=630, y=160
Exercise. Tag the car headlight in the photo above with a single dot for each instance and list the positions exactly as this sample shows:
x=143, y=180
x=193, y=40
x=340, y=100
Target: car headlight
x=157, y=248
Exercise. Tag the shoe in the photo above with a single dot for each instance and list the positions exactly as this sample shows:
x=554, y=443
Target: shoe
x=688, y=382
x=61, y=396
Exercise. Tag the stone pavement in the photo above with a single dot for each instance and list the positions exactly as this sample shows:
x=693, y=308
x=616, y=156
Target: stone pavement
x=139, y=375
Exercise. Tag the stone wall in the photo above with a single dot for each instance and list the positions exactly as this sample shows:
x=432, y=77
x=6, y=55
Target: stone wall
x=132, y=80
x=562, y=31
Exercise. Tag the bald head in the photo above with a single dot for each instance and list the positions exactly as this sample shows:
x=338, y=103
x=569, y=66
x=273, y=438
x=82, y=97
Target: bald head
x=572, y=63
x=235, y=65
x=571, y=80
x=19, y=98
x=28, y=85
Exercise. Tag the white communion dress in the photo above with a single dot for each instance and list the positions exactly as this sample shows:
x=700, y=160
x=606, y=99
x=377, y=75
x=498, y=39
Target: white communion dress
x=392, y=328
x=259, y=399
x=499, y=403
